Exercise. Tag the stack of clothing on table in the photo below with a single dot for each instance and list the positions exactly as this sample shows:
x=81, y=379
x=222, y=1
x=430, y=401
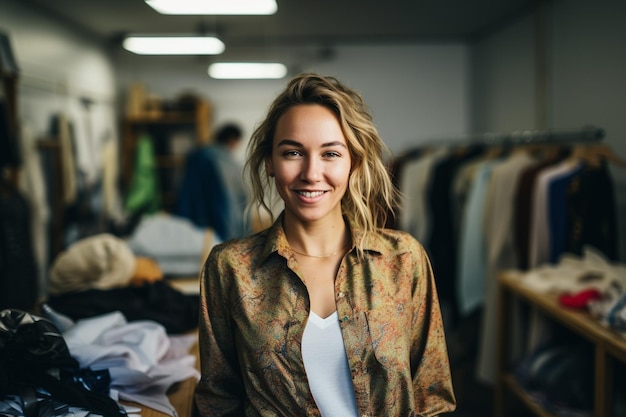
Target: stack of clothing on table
x=101, y=274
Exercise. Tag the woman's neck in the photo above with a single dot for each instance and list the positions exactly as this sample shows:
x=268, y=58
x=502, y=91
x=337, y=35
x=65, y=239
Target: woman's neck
x=317, y=238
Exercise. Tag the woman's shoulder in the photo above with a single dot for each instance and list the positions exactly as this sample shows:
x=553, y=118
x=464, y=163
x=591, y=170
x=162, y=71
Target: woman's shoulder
x=240, y=250
x=242, y=245
x=393, y=242
x=397, y=237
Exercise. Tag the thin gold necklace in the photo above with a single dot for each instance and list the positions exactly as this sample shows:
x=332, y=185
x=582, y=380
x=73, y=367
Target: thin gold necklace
x=320, y=256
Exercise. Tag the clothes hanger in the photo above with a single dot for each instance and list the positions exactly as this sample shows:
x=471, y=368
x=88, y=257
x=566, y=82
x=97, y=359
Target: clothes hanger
x=546, y=151
x=604, y=151
x=593, y=155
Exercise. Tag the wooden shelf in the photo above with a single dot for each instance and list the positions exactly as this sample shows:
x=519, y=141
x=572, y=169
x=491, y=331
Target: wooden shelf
x=609, y=345
x=163, y=118
x=163, y=126
x=170, y=161
x=526, y=399
x=579, y=321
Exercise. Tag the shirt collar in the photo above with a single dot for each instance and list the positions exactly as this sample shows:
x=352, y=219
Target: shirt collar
x=276, y=241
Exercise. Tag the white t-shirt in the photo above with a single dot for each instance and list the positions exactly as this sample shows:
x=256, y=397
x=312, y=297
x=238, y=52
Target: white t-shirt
x=327, y=367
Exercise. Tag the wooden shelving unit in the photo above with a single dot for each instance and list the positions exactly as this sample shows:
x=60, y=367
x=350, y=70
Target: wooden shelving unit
x=163, y=126
x=609, y=346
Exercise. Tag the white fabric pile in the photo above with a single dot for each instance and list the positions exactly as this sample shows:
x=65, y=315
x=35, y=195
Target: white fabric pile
x=142, y=359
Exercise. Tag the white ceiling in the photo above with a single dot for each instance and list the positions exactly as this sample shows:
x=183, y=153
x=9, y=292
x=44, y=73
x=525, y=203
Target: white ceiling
x=298, y=23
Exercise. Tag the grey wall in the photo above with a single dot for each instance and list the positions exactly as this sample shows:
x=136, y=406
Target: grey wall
x=585, y=82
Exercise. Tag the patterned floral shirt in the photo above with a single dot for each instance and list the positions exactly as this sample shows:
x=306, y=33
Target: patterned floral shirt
x=254, y=308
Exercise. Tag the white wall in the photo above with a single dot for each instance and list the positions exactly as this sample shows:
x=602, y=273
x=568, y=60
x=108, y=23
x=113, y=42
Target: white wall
x=415, y=92
x=57, y=67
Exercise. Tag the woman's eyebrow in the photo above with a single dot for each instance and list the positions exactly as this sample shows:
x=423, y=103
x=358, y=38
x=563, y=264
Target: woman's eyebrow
x=291, y=142
x=288, y=142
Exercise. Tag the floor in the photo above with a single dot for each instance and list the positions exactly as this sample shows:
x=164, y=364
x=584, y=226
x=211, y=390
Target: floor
x=474, y=397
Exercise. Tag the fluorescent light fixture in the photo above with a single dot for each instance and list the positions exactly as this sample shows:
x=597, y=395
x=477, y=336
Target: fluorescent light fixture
x=247, y=70
x=214, y=7
x=174, y=45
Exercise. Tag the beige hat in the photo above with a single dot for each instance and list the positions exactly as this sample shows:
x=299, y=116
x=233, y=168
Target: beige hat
x=98, y=262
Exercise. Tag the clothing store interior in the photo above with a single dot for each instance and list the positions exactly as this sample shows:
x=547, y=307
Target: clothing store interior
x=499, y=116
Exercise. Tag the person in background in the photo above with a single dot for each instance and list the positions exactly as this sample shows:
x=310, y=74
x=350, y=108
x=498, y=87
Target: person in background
x=324, y=313
x=212, y=193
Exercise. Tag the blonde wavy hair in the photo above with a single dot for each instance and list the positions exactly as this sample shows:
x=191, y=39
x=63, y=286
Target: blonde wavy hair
x=371, y=195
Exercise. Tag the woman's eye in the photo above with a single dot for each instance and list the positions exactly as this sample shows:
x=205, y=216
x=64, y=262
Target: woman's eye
x=332, y=155
x=292, y=154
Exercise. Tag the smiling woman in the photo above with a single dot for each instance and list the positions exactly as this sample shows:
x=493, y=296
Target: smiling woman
x=311, y=165
x=325, y=313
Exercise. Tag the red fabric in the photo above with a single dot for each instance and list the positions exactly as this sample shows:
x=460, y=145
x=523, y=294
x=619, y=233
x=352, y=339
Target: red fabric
x=580, y=299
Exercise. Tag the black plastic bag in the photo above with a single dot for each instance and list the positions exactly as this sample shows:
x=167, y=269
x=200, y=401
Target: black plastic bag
x=33, y=354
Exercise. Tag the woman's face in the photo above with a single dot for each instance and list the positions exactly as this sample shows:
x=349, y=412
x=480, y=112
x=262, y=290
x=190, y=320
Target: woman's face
x=311, y=162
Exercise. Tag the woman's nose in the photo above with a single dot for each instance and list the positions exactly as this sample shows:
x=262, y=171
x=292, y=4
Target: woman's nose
x=311, y=170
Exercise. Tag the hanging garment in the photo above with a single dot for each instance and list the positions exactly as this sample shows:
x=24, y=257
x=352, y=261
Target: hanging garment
x=557, y=213
x=33, y=185
x=414, y=216
x=112, y=204
x=60, y=128
x=143, y=196
x=499, y=248
x=442, y=242
x=18, y=267
x=212, y=193
x=591, y=216
x=9, y=149
x=522, y=209
x=472, y=255
x=539, y=247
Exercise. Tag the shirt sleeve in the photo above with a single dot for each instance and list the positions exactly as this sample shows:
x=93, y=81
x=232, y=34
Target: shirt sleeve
x=220, y=391
x=432, y=382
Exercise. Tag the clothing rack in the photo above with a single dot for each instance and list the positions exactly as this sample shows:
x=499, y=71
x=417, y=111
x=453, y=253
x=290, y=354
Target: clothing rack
x=62, y=88
x=522, y=137
x=584, y=134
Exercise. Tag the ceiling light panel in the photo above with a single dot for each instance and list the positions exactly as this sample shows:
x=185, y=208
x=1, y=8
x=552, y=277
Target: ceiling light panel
x=214, y=7
x=174, y=45
x=247, y=70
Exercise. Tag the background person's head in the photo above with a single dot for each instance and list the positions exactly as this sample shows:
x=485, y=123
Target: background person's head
x=230, y=136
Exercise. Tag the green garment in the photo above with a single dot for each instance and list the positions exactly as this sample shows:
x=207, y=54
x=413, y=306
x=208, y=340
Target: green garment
x=143, y=193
